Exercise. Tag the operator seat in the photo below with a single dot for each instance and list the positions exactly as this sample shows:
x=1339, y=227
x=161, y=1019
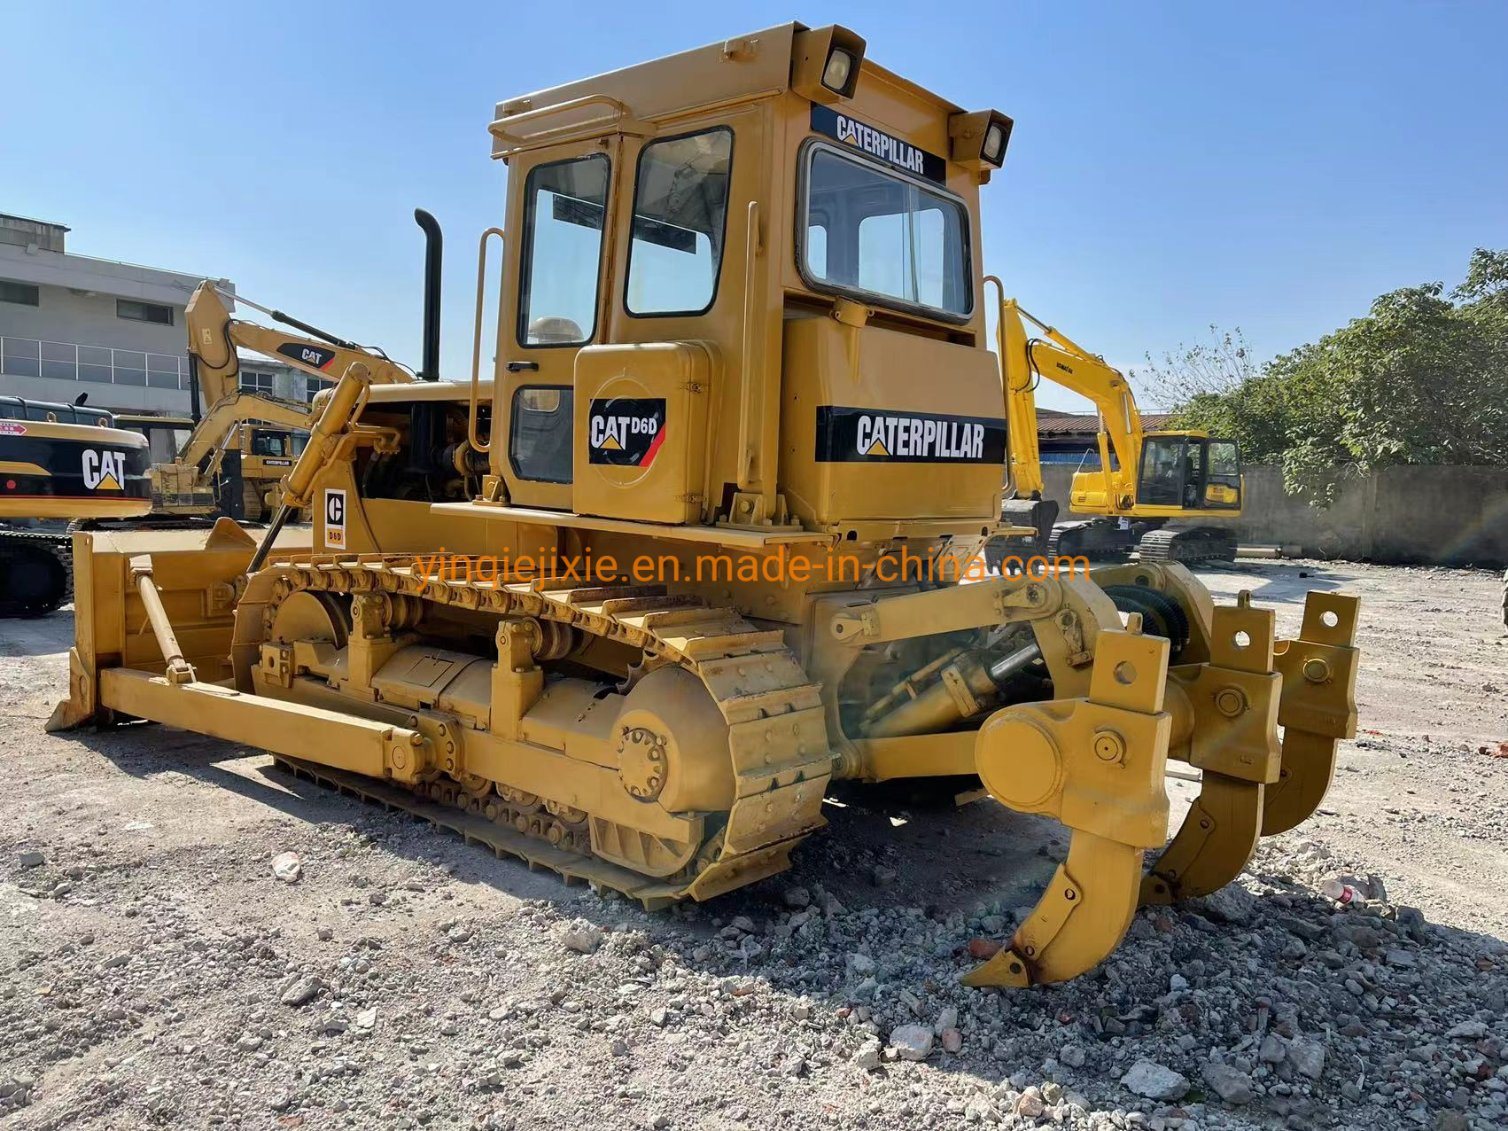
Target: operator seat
x=553, y=330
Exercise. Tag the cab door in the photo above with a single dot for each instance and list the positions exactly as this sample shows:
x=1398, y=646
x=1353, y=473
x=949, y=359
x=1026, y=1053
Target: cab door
x=1163, y=475
x=1222, y=484
x=552, y=305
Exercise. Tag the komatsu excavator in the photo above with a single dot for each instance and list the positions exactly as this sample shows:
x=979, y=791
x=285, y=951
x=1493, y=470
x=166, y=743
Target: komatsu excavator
x=700, y=546
x=221, y=468
x=1144, y=480
x=59, y=463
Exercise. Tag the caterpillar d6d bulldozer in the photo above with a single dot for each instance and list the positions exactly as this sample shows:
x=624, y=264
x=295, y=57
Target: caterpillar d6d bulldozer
x=703, y=543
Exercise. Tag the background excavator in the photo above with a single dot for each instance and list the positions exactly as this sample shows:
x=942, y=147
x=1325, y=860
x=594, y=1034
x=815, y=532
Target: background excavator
x=59, y=463
x=1148, y=485
x=251, y=460
x=244, y=442
x=696, y=550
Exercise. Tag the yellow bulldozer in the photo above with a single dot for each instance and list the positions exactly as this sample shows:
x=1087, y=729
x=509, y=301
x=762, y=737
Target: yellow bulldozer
x=703, y=543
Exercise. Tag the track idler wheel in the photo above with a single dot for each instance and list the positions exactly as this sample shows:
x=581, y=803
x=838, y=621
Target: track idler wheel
x=1096, y=764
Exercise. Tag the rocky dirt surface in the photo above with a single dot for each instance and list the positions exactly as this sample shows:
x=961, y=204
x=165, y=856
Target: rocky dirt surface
x=165, y=962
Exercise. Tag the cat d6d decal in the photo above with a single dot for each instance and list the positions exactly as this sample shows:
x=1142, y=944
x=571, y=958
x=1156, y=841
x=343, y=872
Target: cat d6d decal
x=628, y=605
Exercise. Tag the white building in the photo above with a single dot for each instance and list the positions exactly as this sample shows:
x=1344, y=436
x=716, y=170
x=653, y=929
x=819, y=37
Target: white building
x=72, y=324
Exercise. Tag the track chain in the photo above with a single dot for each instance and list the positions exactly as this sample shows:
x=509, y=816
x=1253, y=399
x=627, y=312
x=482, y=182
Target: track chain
x=1188, y=547
x=777, y=726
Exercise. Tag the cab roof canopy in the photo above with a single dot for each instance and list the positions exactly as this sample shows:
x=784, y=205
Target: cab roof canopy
x=636, y=98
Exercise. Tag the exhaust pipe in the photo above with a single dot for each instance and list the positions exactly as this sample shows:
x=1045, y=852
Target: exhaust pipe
x=426, y=438
x=434, y=247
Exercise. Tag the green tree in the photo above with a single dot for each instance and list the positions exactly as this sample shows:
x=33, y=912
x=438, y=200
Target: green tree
x=1422, y=378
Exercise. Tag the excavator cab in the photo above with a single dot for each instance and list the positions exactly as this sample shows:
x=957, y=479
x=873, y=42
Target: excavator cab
x=1189, y=471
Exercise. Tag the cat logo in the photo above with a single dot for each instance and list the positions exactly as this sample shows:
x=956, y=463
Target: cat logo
x=625, y=431
x=317, y=356
x=335, y=519
x=104, y=471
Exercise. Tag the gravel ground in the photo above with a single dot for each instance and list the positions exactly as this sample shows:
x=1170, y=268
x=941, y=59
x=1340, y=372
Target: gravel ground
x=154, y=970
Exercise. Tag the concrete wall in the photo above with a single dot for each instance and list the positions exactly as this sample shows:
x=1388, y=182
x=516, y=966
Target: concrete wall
x=1416, y=515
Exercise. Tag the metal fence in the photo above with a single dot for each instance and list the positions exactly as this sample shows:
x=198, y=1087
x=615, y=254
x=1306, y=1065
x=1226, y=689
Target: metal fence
x=69, y=361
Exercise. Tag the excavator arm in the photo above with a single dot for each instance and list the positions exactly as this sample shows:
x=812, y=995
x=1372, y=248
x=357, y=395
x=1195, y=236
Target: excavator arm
x=214, y=338
x=1025, y=360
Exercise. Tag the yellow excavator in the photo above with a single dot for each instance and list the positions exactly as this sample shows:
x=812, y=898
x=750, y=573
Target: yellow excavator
x=1144, y=481
x=59, y=463
x=244, y=441
x=252, y=459
x=702, y=544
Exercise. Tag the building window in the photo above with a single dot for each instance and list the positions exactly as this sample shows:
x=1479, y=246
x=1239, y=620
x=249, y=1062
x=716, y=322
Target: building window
x=22, y=294
x=313, y=386
x=680, y=210
x=256, y=381
x=143, y=311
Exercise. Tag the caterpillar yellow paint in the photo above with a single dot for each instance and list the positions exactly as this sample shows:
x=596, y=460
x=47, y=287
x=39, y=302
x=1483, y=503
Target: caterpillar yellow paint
x=766, y=252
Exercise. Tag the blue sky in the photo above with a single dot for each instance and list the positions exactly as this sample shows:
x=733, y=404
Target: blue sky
x=1270, y=166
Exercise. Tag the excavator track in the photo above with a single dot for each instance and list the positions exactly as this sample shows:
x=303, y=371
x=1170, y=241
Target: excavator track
x=47, y=560
x=1189, y=547
x=777, y=728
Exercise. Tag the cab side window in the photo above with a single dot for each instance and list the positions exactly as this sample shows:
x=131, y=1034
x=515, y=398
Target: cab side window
x=539, y=438
x=680, y=222
x=562, y=252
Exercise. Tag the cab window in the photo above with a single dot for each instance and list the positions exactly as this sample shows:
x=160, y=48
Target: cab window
x=1222, y=488
x=539, y=438
x=883, y=236
x=1164, y=471
x=269, y=444
x=679, y=225
x=562, y=251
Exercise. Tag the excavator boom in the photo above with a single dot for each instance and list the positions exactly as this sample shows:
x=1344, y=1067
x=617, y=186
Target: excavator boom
x=215, y=339
x=1143, y=479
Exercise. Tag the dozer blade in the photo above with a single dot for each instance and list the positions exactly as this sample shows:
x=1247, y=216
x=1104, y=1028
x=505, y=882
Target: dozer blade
x=195, y=574
x=1317, y=709
x=1225, y=722
x=1096, y=764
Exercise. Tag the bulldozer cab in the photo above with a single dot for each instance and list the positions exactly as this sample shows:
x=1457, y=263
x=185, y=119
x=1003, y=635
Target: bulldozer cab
x=1190, y=472
x=740, y=287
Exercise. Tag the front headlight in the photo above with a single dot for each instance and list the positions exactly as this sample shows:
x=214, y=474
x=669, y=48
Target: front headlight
x=839, y=69
x=994, y=144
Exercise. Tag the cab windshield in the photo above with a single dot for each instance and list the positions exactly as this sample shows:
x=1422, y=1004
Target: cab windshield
x=884, y=236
